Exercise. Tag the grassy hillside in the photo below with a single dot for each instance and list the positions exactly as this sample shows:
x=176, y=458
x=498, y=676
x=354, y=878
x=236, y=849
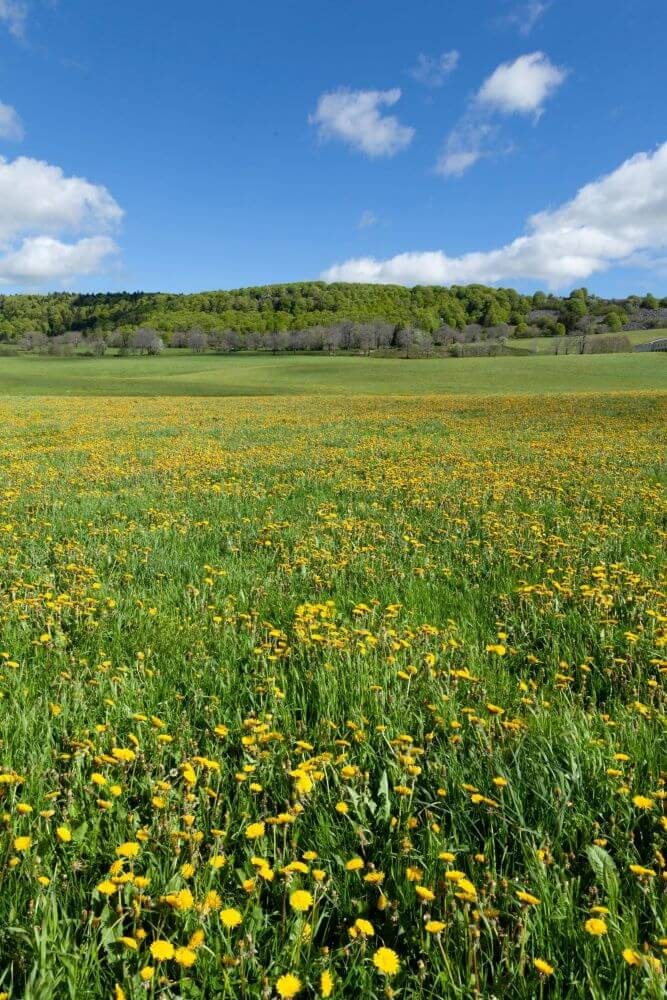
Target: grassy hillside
x=213, y=375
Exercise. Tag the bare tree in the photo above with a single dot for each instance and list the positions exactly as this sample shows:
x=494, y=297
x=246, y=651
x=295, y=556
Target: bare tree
x=197, y=341
x=408, y=338
x=147, y=341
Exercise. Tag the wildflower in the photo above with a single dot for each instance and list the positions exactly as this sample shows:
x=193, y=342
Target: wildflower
x=255, y=830
x=130, y=849
x=288, y=986
x=642, y=802
x=162, y=950
x=129, y=942
x=527, y=897
x=595, y=926
x=326, y=984
x=64, y=834
x=386, y=961
x=632, y=957
x=106, y=888
x=364, y=927
x=543, y=967
x=354, y=865
x=22, y=844
x=434, y=926
x=185, y=957
x=427, y=895
x=301, y=900
x=342, y=807
x=230, y=918
x=147, y=973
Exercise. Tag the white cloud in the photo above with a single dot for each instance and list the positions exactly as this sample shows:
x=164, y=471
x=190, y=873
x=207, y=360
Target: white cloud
x=43, y=259
x=14, y=13
x=433, y=72
x=36, y=197
x=609, y=222
x=354, y=117
x=11, y=126
x=525, y=16
x=467, y=143
x=368, y=219
x=38, y=205
x=522, y=86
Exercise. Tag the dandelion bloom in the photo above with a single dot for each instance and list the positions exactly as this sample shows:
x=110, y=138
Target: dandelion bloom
x=631, y=956
x=596, y=927
x=364, y=927
x=230, y=918
x=301, y=900
x=326, y=984
x=543, y=967
x=288, y=986
x=185, y=957
x=427, y=895
x=107, y=887
x=22, y=843
x=130, y=849
x=386, y=961
x=354, y=865
x=434, y=926
x=642, y=802
x=527, y=897
x=64, y=834
x=147, y=973
x=162, y=949
x=255, y=830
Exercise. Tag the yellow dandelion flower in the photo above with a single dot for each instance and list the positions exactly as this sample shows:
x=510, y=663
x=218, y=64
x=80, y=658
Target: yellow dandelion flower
x=326, y=984
x=255, y=830
x=543, y=967
x=595, y=926
x=288, y=986
x=301, y=900
x=162, y=950
x=129, y=849
x=386, y=961
x=631, y=956
x=185, y=957
x=64, y=834
x=434, y=926
x=230, y=918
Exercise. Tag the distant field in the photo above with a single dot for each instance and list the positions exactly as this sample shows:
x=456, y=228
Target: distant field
x=215, y=375
x=546, y=345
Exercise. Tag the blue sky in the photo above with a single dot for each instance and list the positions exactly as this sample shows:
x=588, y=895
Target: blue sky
x=193, y=146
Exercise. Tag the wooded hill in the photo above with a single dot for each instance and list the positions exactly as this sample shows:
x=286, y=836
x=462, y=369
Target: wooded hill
x=303, y=305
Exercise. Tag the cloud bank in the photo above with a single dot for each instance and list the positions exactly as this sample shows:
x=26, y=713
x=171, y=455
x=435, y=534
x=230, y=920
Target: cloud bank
x=608, y=223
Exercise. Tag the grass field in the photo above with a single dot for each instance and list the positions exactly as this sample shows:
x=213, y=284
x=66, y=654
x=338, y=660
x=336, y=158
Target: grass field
x=304, y=697
x=547, y=345
x=215, y=375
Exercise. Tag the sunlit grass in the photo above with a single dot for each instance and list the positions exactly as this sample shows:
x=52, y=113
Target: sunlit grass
x=318, y=697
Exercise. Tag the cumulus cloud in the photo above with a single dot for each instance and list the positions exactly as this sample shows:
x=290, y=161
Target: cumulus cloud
x=354, y=117
x=611, y=221
x=43, y=259
x=519, y=87
x=38, y=206
x=13, y=13
x=433, y=71
x=11, y=126
x=522, y=86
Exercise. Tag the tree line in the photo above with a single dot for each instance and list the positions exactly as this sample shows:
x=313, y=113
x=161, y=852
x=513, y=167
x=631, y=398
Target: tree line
x=273, y=310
